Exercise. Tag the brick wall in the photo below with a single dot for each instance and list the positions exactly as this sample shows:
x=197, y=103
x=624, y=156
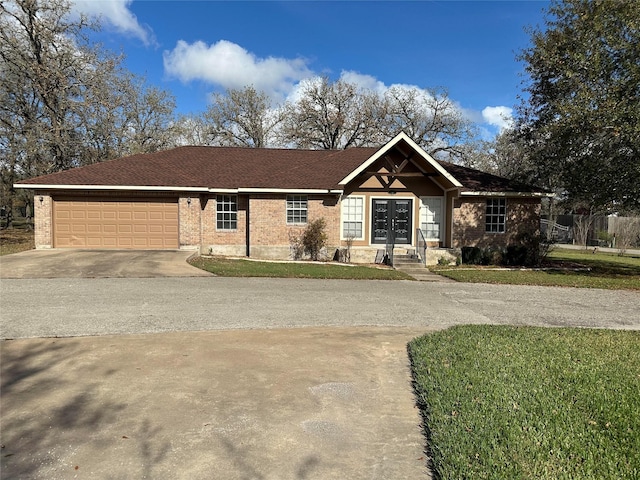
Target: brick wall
x=469, y=221
x=189, y=213
x=42, y=215
x=270, y=236
x=224, y=242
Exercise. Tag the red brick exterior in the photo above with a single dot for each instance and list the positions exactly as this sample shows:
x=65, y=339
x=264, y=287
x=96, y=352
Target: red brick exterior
x=523, y=214
x=271, y=237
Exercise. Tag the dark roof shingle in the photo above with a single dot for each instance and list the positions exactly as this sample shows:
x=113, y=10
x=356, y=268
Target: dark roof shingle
x=245, y=168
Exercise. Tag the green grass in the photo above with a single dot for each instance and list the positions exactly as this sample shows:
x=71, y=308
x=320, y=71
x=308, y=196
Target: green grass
x=530, y=403
x=246, y=268
x=600, y=270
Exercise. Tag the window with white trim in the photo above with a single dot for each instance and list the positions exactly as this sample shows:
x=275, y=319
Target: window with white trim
x=353, y=218
x=297, y=206
x=226, y=212
x=431, y=217
x=496, y=215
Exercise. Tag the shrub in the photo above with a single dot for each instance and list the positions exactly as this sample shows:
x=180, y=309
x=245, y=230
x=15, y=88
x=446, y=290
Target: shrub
x=471, y=255
x=443, y=261
x=314, y=238
x=516, y=255
x=297, y=249
x=481, y=256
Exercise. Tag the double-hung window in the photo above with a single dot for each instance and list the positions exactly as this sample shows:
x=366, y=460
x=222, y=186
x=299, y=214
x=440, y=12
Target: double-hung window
x=296, y=209
x=495, y=215
x=352, y=218
x=431, y=217
x=226, y=212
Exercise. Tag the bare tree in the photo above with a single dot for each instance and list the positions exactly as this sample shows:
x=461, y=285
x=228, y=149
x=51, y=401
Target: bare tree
x=149, y=123
x=191, y=130
x=47, y=69
x=66, y=102
x=330, y=115
x=430, y=118
x=627, y=232
x=241, y=117
x=581, y=227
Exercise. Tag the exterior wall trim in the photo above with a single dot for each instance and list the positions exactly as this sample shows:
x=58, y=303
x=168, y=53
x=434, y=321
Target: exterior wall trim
x=313, y=191
x=389, y=145
x=110, y=187
x=506, y=194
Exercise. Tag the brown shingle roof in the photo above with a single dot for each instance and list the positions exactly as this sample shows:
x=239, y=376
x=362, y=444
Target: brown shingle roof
x=218, y=167
x=474, y=180
x=243, y=168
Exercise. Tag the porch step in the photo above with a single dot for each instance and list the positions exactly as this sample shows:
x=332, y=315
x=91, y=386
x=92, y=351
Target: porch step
x=412, y=266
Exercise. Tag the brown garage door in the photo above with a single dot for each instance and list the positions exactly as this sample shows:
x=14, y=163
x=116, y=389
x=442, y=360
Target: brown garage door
x=141, y=223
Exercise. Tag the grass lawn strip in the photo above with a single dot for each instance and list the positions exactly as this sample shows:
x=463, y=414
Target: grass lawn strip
x=226, y=267
x=531, y=403
x=564, y=268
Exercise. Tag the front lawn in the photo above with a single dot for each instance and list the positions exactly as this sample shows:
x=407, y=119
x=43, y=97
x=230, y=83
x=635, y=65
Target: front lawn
x=564, y=268
x=16, y=239
x=226, y=267
x=530, y=403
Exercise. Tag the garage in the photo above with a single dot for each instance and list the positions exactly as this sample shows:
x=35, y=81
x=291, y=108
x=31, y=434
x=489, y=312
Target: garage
x=127, y=223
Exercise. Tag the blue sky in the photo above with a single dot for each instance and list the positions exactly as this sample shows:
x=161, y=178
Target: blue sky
x=194, y=48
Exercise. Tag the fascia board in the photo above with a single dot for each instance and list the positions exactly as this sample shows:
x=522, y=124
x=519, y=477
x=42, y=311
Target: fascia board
x=289, y=190
x=145, y=188
x=506, y=194
x=401, y=136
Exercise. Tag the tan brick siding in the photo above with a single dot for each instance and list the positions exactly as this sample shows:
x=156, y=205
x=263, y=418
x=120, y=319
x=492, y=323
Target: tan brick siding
x=469, y=221
x=189, y=212
x=268, y=221
x=42, y=214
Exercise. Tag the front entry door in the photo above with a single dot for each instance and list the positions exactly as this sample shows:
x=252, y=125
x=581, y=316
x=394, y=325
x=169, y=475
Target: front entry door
x=392, y=219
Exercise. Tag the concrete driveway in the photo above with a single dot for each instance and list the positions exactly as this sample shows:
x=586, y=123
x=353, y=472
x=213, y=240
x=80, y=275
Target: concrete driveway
x=199, y=378
x=310, y=403
x=72, y=263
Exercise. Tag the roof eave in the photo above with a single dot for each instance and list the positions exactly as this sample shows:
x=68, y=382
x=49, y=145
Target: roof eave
x=149, y=188
x=154, y=188
x=505, y=194
x=385, y=148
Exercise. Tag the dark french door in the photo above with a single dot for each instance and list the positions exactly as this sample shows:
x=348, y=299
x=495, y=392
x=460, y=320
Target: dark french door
x=391, y=220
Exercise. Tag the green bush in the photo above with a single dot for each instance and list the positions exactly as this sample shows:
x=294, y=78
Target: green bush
x=443, y=261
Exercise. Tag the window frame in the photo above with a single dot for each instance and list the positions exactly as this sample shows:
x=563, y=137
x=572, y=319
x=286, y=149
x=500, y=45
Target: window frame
x=344, y=216
x=495, y=214
x=424, y=203
x=295, y=210
x=225, y=216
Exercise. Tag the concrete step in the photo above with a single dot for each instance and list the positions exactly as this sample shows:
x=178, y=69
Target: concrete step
x=416, y=269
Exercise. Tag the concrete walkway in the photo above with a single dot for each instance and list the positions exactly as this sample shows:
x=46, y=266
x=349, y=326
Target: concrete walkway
x=311, y=403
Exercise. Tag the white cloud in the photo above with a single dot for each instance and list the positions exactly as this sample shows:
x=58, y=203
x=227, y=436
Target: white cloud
x=115, y=13
x=229, y=65
x=501, y=117
x=366, y=82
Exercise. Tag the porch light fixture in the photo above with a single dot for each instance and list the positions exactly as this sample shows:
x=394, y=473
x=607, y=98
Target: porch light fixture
x=41, y=199
x=188, y=200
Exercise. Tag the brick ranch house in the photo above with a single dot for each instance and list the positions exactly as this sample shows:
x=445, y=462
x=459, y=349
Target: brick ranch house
x=250, y=202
